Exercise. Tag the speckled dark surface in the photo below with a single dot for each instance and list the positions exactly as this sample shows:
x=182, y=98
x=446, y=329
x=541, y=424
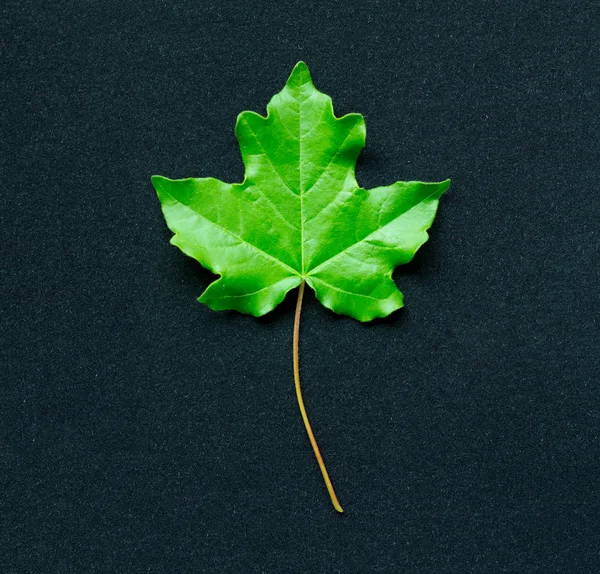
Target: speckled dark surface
x=142, y=432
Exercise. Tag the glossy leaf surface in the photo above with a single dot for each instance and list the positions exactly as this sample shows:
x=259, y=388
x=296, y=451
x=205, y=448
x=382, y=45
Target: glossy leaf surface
x=300, y=213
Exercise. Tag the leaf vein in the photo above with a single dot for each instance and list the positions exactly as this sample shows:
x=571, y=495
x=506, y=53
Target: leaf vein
x=253, y=292
x=240, y=239
x=269, y=159
x=366, y=237
x=330, y=161
x=346, y=291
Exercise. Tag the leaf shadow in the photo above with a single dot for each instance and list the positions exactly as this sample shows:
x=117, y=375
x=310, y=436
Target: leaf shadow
x=194, y=274
x=419, y=267
x=285, y=309
x=417, y=271
x=369, y=167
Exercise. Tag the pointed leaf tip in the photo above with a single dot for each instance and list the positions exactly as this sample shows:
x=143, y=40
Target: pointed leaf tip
x=300, y=75
x=157, y=180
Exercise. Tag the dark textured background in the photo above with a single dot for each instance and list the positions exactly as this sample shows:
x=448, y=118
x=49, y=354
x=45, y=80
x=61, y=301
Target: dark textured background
x=142, y=432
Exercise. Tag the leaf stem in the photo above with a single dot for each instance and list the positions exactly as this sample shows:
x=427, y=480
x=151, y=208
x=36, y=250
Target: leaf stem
x=309, y=431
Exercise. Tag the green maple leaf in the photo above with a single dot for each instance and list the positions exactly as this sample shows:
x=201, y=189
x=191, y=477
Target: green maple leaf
x=299, y=217
x=299, y=213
